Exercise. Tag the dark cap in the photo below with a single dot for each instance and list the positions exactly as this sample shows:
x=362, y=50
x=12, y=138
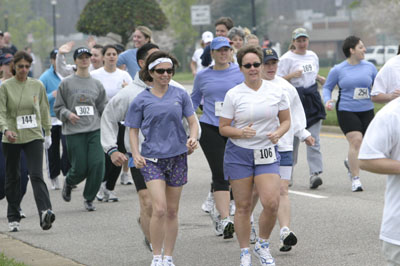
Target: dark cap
x=5, y=59
x=1, y=33
x=80, y=51
x=269, y=54
x=53, y=54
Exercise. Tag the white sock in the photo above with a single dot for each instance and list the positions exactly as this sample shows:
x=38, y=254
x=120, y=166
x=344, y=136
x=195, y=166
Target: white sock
x=252, y=219
x=285, y=228
x=157, y=257
x=262, y=240
x=168, y=258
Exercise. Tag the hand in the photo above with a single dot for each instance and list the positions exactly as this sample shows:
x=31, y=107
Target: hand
x=297, y=73
x=329, y=105
x=47, y=142
x=321, y=79
x=11, y=136
x=310, y=141
x=118, y=158
x=66, y=48
x=73, y=118
x=191, y=144
x=248, y=132
x=395, y=94
x=139, y=161
x=54, y=93
x=124, y=83
x=273, y=137
x=91, y=42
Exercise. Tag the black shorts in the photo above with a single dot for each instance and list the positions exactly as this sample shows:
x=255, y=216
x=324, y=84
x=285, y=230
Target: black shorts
x=354, y=121
x=138, y=179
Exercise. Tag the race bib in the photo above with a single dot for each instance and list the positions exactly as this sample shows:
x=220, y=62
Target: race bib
x=361, y=93
x=26, y=121
x=265, y=156
x=84, y=110
x=218, y=108
x=154, y=160
x=307, y=68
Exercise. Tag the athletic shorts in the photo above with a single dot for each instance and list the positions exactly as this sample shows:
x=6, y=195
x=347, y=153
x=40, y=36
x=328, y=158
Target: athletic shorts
x=138, y=179
x=354, y=121
x=172, y=170
x=239, y=163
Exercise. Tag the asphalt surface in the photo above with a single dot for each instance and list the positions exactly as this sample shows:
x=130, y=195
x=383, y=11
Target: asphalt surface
x=334, y=226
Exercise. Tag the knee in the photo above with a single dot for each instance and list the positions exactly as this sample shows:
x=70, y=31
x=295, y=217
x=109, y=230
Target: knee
x=243, y=207
x=271, y=203
x=145, y=203
x=284, y=189
x=172, y=213
x=159, y=210
x=356, y=143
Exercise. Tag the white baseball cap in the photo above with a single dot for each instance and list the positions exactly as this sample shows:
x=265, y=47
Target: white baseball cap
x=207, y=36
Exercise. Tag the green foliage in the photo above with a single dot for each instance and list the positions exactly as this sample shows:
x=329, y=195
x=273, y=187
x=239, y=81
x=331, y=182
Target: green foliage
x=99, y=17
x=4, y=261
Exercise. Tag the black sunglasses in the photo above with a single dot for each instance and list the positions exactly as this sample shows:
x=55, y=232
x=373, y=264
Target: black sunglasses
x=255, y=65
x=163, y=70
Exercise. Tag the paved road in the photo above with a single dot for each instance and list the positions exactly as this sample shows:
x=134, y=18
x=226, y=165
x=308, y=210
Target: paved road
x=340, y=228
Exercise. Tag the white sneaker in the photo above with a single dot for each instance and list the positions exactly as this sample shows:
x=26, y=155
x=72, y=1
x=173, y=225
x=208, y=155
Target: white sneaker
x=356, y=184
x=232, y=208
x=55, y=184
x=168, y=262
x=261, y=250
x=100, y=193
x=109, y=195
x=13, y=226
x=287, y=240
x=216, y=220
x=227, y=227
x=245, y=258
x=157, y=262
x=126, y=178
x=208, y=203
x=253, y=234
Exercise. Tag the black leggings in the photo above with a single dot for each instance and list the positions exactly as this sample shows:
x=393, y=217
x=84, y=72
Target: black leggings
x=213, y=145
x=112, y=171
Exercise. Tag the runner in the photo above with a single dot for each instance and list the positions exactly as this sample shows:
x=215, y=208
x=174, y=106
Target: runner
x=208, y=85
x=251, y=156
x=195, y=64
x=79, y=104
x=300, y=67
x=24, y=114
x=354, y=108
x=163, y=155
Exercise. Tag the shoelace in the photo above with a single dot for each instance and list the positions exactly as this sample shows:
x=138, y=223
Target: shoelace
x=264, y=252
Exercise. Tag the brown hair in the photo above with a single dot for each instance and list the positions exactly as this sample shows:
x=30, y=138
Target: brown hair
x=20, y=55
x=227, y=21
x=144, y=73
x=249, y=49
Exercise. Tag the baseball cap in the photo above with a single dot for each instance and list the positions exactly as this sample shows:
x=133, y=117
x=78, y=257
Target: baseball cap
x=269, y=54
x=299, y=32
x=207, y=37
x=5, y=59
x=53, y=53
x=80, y=51
x=219, y=42
x=1, y=33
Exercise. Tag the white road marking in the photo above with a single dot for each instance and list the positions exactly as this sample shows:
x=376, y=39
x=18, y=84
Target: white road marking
x=308, y=194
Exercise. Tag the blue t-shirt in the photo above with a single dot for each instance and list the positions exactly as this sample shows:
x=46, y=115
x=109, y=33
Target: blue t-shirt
x=51, y=81
x=160, y=120
x=213, y=85
x=350, y=79
x=128, y=58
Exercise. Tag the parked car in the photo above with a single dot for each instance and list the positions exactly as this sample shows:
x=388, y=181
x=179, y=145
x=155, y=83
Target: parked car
x=379, y=54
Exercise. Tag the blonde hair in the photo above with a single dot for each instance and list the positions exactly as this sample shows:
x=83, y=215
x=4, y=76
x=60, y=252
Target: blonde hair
x=251, y=37
x=146, y=32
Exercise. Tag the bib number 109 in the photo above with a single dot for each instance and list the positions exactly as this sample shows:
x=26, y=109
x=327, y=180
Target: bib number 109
x=265, y=156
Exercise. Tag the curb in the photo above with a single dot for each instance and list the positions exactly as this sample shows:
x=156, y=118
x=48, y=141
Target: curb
x=30, y=255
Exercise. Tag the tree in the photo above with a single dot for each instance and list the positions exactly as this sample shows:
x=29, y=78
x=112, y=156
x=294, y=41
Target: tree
x=100, y=17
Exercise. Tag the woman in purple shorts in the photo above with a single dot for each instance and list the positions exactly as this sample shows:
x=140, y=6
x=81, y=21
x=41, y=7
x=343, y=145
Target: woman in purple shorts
x=158, y=113
x=254, y=116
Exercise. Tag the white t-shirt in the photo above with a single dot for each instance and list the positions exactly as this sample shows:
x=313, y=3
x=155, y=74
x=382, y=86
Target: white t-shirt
x=298, y=120
x=196, y=58
x=112, y=82
x=388, y=78
x=382, y=140
x=245, y=105
x=308, y=63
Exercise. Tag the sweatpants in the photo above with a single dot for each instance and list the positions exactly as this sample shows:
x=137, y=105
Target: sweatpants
x=57, y=163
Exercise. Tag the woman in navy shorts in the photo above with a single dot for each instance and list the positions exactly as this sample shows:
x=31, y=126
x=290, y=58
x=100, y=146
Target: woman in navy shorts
x=254, y=116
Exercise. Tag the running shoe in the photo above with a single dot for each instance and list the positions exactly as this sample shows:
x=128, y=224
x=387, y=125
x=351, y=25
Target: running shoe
x=356, y=184
x=315, y=181
x=245, y=258
x=157, y=262
x=227, y=227
x=66, y=192
x=287, y=240
x=261, y=250
x=100, y=193
x=126, y=179
x=55, y=183
x=21, y=214
x=253, y=234
x=168, y=262
x=346, y=164
x=232, y=208
x=13, y=226
x=47, y=219
x=89, y=205
x=216, y=220
x=109, y=195
x=208, y=203
x=146, y=241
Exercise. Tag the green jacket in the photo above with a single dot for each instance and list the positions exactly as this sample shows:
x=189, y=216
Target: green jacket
x=24, y=100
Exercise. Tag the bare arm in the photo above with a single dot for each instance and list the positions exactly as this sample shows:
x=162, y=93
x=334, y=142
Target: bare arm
x=194, y=133
x=284, y=120
x=295, y=74
x=193, y=67
x=225, y=129
x=385, y=97
x=381, y=166
x=139, y=161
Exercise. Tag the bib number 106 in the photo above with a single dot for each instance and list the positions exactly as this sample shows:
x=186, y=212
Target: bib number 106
x=265, y=156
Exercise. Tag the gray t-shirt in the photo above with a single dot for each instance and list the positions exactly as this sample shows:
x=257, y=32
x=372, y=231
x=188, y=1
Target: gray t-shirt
x=84, y=97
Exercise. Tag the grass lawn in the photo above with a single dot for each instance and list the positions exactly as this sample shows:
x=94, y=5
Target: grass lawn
x=183, y=77
x=4, y=261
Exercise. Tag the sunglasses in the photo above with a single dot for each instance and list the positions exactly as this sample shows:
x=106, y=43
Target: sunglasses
x=24, y=66
x=255, y=65
x=163, y=70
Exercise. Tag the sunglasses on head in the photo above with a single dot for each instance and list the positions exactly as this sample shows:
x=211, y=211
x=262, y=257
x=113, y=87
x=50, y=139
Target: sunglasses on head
x=255, y=65
x=163, y=70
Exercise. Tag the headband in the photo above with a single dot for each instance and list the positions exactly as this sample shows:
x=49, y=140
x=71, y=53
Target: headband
x=159, y=61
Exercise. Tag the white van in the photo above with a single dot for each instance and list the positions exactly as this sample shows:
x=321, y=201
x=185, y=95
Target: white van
x=379, y=54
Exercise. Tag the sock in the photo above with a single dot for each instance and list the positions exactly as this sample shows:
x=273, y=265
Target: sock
x=284, y=229
x=252, y=219
x=168, y=258
x=157, y=257
x=262, y=240
x=244, y=249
